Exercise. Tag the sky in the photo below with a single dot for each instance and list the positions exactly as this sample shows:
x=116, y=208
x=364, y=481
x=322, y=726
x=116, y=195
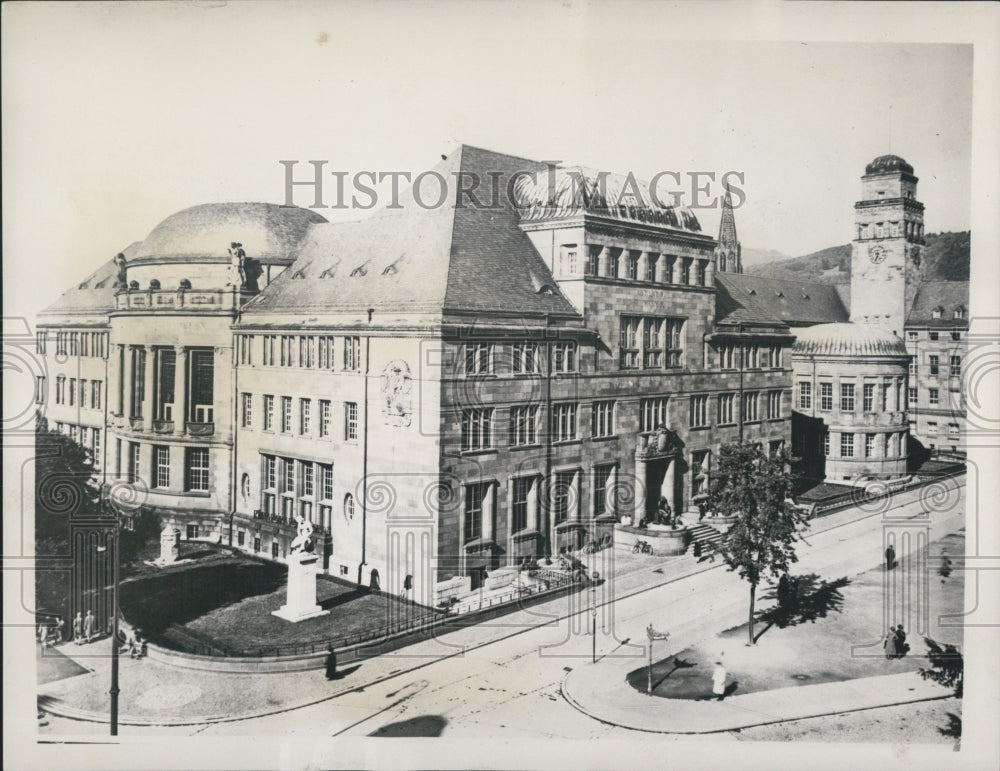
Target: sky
x=117, y=115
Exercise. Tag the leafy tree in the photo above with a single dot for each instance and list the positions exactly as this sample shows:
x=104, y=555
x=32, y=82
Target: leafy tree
x=756, y=489
x=948, y=669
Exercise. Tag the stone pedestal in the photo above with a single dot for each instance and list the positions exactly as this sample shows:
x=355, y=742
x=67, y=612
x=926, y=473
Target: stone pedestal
x=300, y=601
x=169, y=546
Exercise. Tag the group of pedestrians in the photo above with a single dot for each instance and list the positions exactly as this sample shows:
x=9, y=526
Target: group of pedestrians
x=895, y=643
x=84, y=630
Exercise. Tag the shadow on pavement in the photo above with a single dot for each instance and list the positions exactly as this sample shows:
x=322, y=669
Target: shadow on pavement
x=424, y=725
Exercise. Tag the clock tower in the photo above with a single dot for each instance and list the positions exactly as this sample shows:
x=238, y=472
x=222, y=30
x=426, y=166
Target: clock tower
x=888, y=238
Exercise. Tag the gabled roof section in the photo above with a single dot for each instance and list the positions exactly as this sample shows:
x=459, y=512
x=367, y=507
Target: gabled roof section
x=465, y=255
x=949, y=296
x=742, y=297
x=95, y=294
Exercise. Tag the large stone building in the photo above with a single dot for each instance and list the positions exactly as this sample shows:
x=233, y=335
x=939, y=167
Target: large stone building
x=441, y=390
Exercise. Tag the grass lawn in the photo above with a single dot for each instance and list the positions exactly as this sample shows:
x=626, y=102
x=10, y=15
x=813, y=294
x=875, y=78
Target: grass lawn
x=834, y=636
x=224, y=600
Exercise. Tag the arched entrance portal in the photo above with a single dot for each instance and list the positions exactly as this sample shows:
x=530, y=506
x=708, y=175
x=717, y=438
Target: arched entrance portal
x=656, y=457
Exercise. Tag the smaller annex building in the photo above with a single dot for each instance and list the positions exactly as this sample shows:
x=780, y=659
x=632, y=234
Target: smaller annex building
x=849, y=422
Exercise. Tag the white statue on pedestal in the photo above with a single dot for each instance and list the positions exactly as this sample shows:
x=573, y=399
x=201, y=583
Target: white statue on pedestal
x=300, y=602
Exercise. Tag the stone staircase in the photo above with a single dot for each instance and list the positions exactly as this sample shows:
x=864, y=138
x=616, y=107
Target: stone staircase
x=704, y=534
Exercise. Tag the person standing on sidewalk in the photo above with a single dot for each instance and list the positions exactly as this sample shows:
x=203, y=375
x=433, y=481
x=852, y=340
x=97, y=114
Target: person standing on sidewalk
x=719, y=681
x=78, y=628
x=88, y=626
x=890, y=557
x=331, y=663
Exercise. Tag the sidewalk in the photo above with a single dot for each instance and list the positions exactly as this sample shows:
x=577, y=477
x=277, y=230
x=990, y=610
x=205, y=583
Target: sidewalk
x=158, y=694
x=601, y=692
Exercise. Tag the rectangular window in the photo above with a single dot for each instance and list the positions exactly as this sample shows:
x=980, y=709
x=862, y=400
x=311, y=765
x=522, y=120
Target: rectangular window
x=202, y=386
x=869, y=445
x=685, y=270
x=326, y=352
x=133, y=462
x=567, y=260
x=932, y=361
x=653, y=341
x=847, y=445
x=651, y=260
x=305, y=415
x=240, y=537
x=933, y=335
x=726, y=356
x=699, y=411
x=775, y=356
x=955, y=367
x=519, y=504
x=286, y=414
x=308, y=479
x=256, y=543
x=751, y=403
x=885, y=395
x=602, y=419
x=868, y=397
x=95, y=394
x=912, y=369
x=525, y=358
x=562, y=425
x=726, y=413
x=326, y=482
x=307, y=351
x=911, y=335
x=826, y=396
x=350, y=421
x=911, y=397
x=956, y=335
x=523, y=426
x=652, y=413
x=288, y=476
x=805, y=395
x=563, y=495
x=478, y=358
x=593, y=259
x=701, y=272
x=826, y=443
x=39, y=389
x=932, y=428
x=474, y=497
x=161, y=466
x=270, y=473
x=752, y=357
x=629, y=342
x=602, y=490
x=246, y=414
x=268, y=412
x=274, y=550
x=72, y=391
x=563, y=357
x=847, y=397
x=773, y=405
x=95, y=447
x=632, y=265
x=953, y=429
x=196, y=465
x=932, y=397
x=287, y=350
x=325, y=417
x=352, y=354
x=60, y=388
x=83, y=393
x=269, y=350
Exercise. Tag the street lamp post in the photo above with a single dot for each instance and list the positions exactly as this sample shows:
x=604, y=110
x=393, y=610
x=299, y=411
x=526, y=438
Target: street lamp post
x=114, y=690
x=594, y=578
x=653, y=635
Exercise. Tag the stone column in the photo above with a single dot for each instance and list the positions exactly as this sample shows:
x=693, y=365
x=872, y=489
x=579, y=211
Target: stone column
x=575, y=496
x=640, y=489
x=533, y=494
x=148, y=410
x=129, y=381
x=602, y=262
x=709, y=273
x=488, y=506
x=669, y=486
x=661, y=270
x=640, y=271
x=115, y=380
x=180, y=390
x=622, y=263
x=610, y=493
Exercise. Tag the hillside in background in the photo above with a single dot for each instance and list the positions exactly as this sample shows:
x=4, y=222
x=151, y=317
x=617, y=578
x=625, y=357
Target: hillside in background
x=946, y=258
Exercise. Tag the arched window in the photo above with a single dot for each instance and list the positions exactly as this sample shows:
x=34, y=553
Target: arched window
x=349, y=506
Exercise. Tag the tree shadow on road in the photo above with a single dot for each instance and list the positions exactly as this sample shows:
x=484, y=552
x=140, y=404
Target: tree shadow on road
x=422, y=725
x=678, y=664
x=806, y=598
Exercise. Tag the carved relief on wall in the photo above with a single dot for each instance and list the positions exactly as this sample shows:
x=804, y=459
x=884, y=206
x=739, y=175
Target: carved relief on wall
x=397, y=393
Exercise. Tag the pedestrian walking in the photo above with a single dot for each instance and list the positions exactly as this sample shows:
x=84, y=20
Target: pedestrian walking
x=331, y=663
x=890, y=557
x=88, y=626
x=719, y=681
x=78, y=628
x=890, y=644
x=901, y=647
x=59, y=629
x=43, y=634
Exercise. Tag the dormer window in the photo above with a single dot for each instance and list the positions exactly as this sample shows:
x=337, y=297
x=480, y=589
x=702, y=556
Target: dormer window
x=936, y=313
x=361, y=270
x=390, y=270
x=753, y=291
x=780, y=294
x=960, y=312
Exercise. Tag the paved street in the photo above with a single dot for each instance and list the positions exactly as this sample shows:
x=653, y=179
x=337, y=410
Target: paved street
x=511, y=686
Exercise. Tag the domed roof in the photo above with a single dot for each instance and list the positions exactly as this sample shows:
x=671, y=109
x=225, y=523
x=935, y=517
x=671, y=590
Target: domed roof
x=886, y=163
x=203, y=233
x=848, y=340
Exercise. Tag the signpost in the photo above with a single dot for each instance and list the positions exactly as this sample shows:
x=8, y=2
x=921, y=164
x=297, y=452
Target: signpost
x=653, y=635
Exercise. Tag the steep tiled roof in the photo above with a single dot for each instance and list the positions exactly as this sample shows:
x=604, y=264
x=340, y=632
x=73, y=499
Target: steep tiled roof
x=848, y=340
x=946, y=295
x=95, y=293
x=764, y=300
x=468, y=257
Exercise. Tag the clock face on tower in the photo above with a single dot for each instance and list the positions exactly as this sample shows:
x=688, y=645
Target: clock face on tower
x=876, y=254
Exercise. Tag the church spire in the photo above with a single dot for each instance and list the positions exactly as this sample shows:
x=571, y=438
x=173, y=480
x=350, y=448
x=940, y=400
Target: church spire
x=728, y=258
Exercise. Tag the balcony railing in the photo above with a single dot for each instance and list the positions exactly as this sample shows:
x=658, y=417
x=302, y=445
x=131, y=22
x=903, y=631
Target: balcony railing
x=289, y=522
x=190, y=299
x=200, y=429
x=163, y=426
x=136, y=423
